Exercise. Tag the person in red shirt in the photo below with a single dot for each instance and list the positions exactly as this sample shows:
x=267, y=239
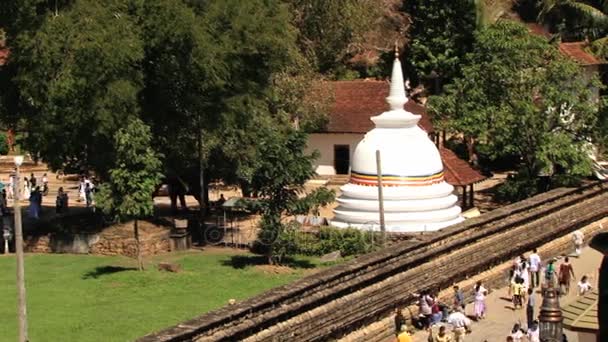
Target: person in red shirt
x=565, y=271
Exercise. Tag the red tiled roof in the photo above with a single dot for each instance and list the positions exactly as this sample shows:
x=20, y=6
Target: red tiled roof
x=457, y=171
x=576, y=51
x=355, y=102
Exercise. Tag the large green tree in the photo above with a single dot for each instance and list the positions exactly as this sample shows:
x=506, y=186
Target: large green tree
x=133, y=178
x=202, y=75
x=441, y=33
x=518, y=95
x=75, y=79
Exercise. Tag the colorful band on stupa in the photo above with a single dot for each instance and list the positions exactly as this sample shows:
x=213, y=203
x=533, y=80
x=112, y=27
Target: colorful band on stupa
x=392, y=180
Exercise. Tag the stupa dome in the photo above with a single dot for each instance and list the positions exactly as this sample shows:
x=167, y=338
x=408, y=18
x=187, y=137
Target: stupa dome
x=416, y=196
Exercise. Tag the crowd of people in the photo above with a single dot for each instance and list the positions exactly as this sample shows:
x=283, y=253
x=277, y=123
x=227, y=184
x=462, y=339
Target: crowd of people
x=525, y=275
x=33, y=191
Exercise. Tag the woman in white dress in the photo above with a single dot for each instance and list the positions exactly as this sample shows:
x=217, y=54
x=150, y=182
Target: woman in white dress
x=480, y=301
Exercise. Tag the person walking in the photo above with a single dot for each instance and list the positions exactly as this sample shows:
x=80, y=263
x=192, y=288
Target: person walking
x=550, y=273
x=11, y=186
x=59, y=205
x=27, y=190
x=565, y=271
x=458, y=297
x=461, y=324
x=534, y=262
x=530, y=308
x=81, y=193
x=399, y=321
x=578, y=238
x=33, y=181
x=88, y=193
x=425, y=303
x=517, y=289
x=480, y=301
x=45, y=185
x=33, y=208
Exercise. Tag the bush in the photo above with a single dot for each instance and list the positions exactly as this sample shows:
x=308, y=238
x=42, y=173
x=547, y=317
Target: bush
x=516, y=189
x=348, y=241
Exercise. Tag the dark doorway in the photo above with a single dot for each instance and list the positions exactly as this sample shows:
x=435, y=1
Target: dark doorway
x=341, y=159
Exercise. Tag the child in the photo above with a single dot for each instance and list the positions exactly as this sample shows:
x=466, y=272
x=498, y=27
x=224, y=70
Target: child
x=517, y=289
x=583, y=286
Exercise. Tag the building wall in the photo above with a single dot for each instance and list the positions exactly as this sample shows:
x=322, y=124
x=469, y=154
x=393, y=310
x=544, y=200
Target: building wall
x=591, y=71
x=324, y=143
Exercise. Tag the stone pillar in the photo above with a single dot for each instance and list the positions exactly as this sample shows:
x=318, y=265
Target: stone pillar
x=180, y=238
x=464, y=197
x=472, y=196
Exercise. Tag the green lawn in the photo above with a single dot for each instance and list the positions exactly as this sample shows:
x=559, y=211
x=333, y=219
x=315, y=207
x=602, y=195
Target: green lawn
x=95, y=298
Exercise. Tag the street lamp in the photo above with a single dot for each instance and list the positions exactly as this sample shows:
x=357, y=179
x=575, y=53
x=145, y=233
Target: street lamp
x=550, y=320
x=21, y=310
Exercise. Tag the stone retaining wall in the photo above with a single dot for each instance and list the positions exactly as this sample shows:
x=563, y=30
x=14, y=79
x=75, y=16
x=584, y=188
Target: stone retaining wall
x=115, y=240
x=383, y=330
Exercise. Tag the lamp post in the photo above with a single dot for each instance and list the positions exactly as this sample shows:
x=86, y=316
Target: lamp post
x=550, y=320
x=21, y=310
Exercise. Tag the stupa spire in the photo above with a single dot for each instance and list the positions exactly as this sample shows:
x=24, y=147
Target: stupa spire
x=397, y=98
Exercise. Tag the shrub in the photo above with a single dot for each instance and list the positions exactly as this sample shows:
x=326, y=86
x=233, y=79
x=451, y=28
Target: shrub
x=349, y=241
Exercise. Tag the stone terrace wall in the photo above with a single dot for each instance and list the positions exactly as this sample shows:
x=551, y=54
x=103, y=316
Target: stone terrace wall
x=383, y=330
x=114, y=240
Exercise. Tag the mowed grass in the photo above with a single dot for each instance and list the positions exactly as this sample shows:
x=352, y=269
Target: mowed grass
x=96, y=298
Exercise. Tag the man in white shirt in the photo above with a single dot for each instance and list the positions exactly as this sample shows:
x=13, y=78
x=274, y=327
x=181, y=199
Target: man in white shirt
x=534, y=268
x=460, y=322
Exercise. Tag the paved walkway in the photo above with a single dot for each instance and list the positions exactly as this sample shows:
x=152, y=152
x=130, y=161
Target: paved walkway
x=501, y=316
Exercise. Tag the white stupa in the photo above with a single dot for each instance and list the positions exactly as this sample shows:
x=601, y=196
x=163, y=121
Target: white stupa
x=416, y=197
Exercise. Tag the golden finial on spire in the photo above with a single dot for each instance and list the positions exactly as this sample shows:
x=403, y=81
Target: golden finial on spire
x=396, y=49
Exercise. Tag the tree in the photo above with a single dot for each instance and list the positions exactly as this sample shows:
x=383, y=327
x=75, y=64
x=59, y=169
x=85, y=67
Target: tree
x=329, y=30
x=441, y=34
x=76, y=80
x=519, y=95
x=578, y=20
x=200, y=74
x=133, y=178
x=279, y=179
x=575, y=19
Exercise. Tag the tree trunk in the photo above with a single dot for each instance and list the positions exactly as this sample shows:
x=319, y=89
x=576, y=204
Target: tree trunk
x=201, y=164
x=140, y=262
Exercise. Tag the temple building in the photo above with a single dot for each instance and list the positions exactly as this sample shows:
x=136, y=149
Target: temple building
x=416, y=195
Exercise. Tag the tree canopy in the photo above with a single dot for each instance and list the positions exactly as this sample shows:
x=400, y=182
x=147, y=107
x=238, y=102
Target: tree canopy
x=184, y=67
x=518, y=95
x=441, y=33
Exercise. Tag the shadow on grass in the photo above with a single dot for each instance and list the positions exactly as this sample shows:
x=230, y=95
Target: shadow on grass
x=104, y=270
x=242, y=261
